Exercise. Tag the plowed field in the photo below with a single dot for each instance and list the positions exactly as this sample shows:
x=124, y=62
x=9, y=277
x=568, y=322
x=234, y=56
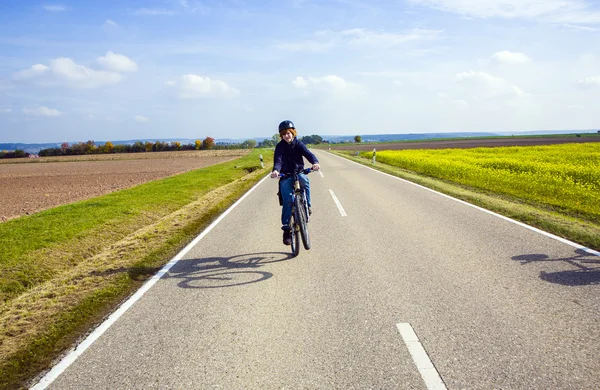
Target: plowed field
x=32, y=185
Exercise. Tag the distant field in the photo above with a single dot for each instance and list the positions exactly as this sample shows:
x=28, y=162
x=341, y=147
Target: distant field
x=30, y=185
x=465, y=143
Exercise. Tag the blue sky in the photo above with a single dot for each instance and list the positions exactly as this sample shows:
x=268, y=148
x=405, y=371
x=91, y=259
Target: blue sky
x=116, y=70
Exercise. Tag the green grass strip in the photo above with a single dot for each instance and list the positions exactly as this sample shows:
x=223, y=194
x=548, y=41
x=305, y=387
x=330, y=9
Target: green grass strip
x=88, y=225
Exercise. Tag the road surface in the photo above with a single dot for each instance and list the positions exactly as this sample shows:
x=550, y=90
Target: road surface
x=492, y=304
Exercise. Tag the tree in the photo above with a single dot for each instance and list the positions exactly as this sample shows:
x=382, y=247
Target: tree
x=108, y=147
x=275, y=138
x=208, y=143
x=138, y=146
x=249, y=144
x=358, y=139
x=176, y=145
x=198, y=144
x=266, y=143
x=312, y=139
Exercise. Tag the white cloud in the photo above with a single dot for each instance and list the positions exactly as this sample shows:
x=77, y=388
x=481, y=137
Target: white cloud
x=580, y=28
x=364, y=37
x=565, y=11
x=332, y=81
x=141, y=119
x=358, y=38
x=65, y=72
x=153, y=11
x=117, y=62
x=192, y=86
x=593, y=81
x=42, y=111
x=110, y=24
x=76, y=75
x=32, y=72
x=508, y=57
x=300, y=82
x=55, y=7
x=5, y=110
x=310, y=46
x=486, y=85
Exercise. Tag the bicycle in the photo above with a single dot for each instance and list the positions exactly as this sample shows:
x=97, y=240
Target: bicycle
x=300, y=214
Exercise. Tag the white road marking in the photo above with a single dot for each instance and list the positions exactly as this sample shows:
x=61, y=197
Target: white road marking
x=550, y=235
x=339, y=205
x=430, y=376
x=57, y=370
x=321, y=172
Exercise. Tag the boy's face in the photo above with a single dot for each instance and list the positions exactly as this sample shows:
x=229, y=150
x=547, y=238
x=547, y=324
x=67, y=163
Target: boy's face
x=287, y=136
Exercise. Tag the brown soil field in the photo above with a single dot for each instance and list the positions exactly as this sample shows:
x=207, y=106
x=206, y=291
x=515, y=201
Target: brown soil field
x=468, y=143
x=32, y=185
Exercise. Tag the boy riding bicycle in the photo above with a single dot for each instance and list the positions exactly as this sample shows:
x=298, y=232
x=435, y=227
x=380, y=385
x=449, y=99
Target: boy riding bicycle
x=289, y=154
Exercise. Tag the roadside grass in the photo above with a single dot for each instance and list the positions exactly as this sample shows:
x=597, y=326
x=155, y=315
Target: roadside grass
x=66, y=268
x=579, y=227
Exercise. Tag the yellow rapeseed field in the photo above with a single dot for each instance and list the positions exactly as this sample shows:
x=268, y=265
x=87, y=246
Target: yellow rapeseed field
x=565, y=177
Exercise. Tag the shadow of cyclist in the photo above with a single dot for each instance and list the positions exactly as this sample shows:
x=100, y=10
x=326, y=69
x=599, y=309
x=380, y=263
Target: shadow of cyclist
x=587, y=272
x=218, y=272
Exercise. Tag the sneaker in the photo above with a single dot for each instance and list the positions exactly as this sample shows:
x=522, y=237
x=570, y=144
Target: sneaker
x=287, y=237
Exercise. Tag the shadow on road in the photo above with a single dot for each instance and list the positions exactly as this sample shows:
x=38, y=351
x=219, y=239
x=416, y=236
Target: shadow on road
x=217, y=272
x=587, y=272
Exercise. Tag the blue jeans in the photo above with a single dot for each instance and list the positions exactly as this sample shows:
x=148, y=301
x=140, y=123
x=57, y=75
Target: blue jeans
x=286, y=187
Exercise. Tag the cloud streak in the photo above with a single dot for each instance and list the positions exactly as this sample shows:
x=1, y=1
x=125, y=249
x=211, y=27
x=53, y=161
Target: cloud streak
x=193, y=86
x=42, y=111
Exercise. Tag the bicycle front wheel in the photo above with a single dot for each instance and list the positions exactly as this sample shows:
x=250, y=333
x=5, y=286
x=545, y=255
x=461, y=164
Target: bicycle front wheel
x=302, y=220
x=295, y=234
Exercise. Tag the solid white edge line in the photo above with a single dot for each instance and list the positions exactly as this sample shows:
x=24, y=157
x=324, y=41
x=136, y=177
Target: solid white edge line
x=564, y=241
x=57, y=370
x=430, y=376
x=338, y=204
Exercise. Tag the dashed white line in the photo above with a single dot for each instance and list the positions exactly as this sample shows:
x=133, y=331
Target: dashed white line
x=338, y=204
x=430, y=376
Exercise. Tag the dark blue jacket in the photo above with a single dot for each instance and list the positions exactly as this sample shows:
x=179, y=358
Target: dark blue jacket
x=288, y=157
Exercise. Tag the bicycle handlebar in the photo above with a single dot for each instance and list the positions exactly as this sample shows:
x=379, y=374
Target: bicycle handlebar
x=305, y=171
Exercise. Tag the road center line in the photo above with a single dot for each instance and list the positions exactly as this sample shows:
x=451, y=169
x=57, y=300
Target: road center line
x=430, y=376
x=339, y=205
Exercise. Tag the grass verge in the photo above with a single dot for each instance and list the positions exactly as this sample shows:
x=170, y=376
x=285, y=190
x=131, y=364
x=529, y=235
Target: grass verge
x=84, y=264
x=581, y=231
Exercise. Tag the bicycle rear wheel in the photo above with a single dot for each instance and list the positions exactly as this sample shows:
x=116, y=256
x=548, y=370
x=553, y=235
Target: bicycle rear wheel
x=302, y=220
x=295, y=234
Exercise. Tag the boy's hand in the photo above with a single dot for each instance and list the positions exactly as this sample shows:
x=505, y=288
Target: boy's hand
x=316, y=167
x=274, y=174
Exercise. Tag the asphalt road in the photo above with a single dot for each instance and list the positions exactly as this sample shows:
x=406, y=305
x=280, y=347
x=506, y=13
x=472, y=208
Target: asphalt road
x=493, y=304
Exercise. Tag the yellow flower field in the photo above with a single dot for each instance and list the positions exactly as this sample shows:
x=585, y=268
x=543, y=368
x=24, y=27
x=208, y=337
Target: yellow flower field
x=565, y=177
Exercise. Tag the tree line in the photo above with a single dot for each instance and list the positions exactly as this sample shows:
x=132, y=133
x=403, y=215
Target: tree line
x=90, y=147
